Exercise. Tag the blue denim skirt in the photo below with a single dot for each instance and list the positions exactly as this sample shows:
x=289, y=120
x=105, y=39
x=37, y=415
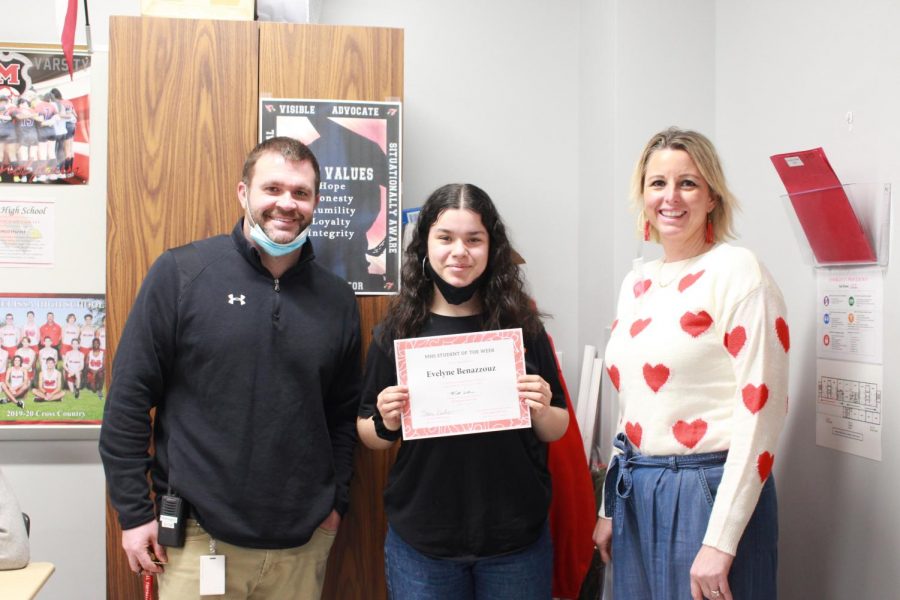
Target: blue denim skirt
x=661, y=506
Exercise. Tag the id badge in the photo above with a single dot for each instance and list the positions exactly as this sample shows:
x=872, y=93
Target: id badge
x=212, y=575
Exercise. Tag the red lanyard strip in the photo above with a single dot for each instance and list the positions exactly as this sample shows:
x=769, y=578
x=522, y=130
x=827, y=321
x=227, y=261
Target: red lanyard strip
x=148, y=586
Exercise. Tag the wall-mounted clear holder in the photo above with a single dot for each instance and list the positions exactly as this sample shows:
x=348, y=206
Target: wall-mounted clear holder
x=830, y=233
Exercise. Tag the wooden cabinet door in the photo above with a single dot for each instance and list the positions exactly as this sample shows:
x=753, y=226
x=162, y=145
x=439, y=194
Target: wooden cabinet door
x=182, y=117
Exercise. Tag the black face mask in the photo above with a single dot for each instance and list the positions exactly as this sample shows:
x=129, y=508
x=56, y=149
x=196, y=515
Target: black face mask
x=452, y=294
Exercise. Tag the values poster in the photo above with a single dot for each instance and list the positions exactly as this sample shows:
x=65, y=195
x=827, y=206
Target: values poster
x=44, y=117
x=52, y=359
x=356, y=227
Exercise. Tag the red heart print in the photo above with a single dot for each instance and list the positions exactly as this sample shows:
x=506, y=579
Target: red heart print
x=755, y=397
x=764, y=465
x=696, y=323
x=638, y=326
x=784, y=335
x=634, y=431
x=613, y=371
x=656, y=376
x=613, y=328
x=688, y=280
x=641, y=287
x=688, y=434
x=734, y=340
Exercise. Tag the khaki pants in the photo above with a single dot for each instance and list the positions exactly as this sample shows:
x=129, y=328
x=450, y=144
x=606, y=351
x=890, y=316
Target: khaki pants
x=250, y=573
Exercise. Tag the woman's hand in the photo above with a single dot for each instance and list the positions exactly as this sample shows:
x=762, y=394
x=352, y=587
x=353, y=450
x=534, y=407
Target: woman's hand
x=603, y=538
x=390, y=403
x=709, y=574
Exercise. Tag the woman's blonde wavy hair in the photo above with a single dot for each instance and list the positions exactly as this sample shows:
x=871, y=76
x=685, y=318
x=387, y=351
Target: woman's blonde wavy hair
x=704, y=155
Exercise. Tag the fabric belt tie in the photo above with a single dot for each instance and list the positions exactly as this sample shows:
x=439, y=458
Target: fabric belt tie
x=618, y=483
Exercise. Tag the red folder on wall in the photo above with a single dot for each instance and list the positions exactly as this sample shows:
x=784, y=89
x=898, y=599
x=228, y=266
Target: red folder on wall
x=822, y=207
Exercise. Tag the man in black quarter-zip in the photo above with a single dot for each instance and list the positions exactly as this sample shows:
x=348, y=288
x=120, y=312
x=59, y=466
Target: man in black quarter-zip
x=249, y=351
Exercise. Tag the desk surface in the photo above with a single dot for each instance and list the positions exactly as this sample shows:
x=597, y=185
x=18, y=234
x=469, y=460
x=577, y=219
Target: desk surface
x=24, y=584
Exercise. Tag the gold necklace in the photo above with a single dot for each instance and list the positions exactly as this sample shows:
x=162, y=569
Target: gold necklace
x=687, y=263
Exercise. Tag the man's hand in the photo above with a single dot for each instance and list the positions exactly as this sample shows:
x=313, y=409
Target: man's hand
x=138, y=542
x=331, y=522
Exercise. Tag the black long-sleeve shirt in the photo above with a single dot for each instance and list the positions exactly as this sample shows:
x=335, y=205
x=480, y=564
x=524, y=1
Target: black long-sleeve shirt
x=255, y=381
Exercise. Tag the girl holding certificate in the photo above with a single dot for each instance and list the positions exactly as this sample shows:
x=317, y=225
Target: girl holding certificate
x=699, y=355
x=467, y=513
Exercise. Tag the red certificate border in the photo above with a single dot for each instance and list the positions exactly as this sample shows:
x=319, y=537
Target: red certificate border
x=442, y=341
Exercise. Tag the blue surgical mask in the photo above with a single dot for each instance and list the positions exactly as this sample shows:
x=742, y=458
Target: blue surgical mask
x=274, y=248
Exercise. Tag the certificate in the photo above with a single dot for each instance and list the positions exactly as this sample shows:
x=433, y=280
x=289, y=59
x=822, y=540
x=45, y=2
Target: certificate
x=463, y=383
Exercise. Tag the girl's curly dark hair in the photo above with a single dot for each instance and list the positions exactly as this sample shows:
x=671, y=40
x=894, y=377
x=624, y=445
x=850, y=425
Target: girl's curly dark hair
x=503, y=299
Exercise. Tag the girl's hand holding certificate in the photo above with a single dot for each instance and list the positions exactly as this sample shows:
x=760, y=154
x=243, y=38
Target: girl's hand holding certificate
x=391, y=403
x=536, y=393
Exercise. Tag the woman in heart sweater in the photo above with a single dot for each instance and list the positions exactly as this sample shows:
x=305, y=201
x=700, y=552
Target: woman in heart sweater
x=699, y=356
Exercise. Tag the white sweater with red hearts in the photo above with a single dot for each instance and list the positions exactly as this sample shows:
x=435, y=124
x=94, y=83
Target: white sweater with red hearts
x=699, y=356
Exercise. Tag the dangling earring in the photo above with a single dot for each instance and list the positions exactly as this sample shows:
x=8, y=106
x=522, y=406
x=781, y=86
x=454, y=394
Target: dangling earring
x=709, y=229
x=647, y=230
x=424, y=270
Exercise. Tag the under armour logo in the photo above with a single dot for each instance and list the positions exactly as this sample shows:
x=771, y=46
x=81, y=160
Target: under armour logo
x=232, y=299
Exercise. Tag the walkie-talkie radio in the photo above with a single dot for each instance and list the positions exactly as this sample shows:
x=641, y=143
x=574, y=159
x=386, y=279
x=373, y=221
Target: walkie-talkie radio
x=172, y=519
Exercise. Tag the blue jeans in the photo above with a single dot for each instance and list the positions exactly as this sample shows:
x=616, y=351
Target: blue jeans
x=523, y=575
x=661, y=512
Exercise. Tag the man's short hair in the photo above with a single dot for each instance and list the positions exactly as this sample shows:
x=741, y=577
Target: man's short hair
x=289, y=148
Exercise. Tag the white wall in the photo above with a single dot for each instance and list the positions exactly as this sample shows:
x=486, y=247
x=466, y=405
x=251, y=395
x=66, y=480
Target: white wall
x=633, y=82
x=760, y=78
x=60, y=485
x=643, y=67
x=59, y=482
x=786, y=75
x=490, y=98
x=599, y=187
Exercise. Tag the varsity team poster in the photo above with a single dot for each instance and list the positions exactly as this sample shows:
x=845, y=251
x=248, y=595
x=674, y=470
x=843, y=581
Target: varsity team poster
x=44, y=117
x=52, y=359
x=356, y=227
